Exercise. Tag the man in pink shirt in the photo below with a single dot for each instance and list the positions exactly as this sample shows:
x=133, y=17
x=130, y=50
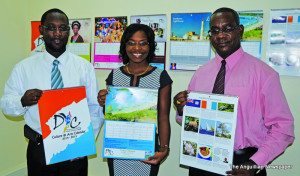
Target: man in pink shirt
x=265, y=125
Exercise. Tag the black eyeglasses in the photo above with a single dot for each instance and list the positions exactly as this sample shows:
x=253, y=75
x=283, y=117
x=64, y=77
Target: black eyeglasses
x=226, y=30
x=141, y=43
x=54, y=28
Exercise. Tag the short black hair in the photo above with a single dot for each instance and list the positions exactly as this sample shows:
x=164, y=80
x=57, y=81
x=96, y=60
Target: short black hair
x=129, y=31
x=233, y=12
x=76, y=23
x=43, y=19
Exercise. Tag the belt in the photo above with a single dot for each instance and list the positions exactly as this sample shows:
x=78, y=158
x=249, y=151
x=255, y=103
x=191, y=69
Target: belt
x=246, y=151
x=32, y=135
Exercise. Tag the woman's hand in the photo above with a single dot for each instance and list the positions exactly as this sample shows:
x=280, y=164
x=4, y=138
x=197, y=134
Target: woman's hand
x=102, y=97
x=157, y=157
x=180, y=100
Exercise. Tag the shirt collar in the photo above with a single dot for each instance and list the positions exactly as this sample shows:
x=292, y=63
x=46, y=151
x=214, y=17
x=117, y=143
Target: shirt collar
x=232, y=59
x=49, y=58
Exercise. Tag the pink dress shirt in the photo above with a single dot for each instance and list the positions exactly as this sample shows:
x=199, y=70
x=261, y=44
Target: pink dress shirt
x=264, y=119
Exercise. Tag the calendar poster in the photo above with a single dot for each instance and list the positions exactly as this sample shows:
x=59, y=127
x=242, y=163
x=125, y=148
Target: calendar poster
x=80, y=38
x=208, y=131
x=37, y=41
x=190, y=45
x=253, y=27
x=158, y=23
x=130, y=123
x=66, y=125
x=283, y=53
x=107, y=38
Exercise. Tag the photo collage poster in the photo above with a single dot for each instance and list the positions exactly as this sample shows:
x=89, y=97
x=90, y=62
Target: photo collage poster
x=158, y=23
x=283, y=52
x=107, y=38
x=208, y=131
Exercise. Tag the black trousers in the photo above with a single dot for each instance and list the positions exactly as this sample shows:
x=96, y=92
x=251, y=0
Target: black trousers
x=237, y=160
x=36, y=164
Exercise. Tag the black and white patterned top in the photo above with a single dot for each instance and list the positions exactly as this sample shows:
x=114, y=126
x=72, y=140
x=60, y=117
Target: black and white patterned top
x=154, y=79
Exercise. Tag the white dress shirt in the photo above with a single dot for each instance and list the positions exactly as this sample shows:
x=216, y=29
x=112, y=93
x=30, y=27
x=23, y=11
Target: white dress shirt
x=35, y=73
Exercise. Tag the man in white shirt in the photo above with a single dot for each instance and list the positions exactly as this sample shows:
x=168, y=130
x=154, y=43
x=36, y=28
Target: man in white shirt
x=32, y=75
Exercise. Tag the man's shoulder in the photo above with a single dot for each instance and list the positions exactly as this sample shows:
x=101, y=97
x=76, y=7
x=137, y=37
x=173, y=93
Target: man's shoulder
x=30, y=61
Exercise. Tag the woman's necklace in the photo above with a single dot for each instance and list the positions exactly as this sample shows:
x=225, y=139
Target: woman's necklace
x=138, y=74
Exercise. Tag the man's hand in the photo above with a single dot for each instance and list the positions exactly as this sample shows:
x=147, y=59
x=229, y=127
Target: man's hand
x=244, y=171
x=102, y=97
x=180, y=100
x=31, y=97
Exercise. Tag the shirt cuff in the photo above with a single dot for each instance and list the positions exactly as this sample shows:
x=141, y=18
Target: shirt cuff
x=260, y=158
x=20, y=107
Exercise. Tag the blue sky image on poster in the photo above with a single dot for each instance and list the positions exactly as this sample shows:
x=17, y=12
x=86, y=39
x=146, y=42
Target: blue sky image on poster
x=131, y=104
x=185, y=24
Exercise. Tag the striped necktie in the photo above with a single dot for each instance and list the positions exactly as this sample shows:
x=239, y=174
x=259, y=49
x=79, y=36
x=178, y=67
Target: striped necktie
x=220, y=80
x=56, y=79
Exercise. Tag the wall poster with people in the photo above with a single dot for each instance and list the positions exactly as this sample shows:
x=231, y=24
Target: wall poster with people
x=80, y=37
x=208, y=131
x=158, y=23
x=79, y=41
x=283, y=52
x=189, y=46
x=107, y=37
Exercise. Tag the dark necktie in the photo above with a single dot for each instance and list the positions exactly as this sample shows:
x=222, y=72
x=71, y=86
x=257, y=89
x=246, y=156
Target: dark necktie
x=220, y=80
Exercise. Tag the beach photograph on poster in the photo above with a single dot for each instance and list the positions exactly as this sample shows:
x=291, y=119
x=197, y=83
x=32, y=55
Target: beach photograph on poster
x=207, y=127
x=223, y=129
x=131, y=104
x=191, y=124
x=109, y=29
x=189, y=148
x=205, y=152
x=190, y=26
x=83, y=28
x=253, y=25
